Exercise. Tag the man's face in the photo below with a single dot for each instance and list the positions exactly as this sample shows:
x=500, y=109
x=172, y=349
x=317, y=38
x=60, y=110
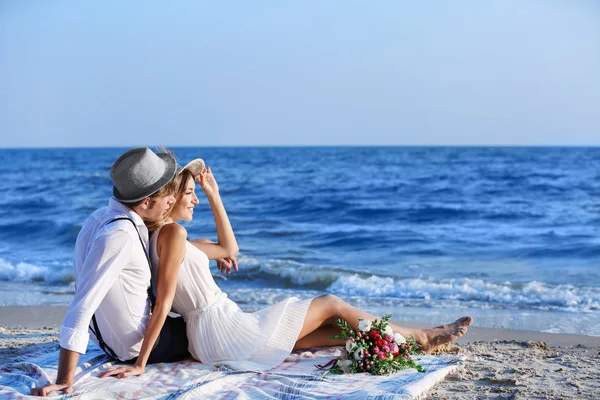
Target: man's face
x=157, y=207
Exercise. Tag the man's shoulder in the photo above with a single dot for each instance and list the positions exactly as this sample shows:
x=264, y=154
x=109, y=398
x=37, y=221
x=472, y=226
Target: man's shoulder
x=106, y=221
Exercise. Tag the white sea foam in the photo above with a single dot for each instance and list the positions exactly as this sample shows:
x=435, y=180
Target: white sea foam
x=427, y=292
x=23, y=272
x=533, y=294
x=432, y=292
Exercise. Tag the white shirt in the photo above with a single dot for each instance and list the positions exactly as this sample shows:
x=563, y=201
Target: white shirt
x=112, y=276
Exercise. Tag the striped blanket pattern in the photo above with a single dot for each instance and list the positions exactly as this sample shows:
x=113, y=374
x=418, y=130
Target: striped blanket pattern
x=296, y=378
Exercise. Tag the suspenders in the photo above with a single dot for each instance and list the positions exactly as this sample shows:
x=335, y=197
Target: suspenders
x=106, y=348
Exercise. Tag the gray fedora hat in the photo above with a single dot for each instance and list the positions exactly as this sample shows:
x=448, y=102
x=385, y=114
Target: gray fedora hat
x=140, y=172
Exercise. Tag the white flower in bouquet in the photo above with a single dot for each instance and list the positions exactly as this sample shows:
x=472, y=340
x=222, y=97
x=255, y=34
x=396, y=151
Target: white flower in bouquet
x=358, y=354
x=388, y=331
x=399, y=339
x=364, y=325
x=344, y=355
x=345, y=365
x=349, y=345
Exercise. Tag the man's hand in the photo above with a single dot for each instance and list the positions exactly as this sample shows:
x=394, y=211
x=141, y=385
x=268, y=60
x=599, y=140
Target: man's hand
x=225, y=264
x=51, y=388
x=123, y=372
x=67, y=363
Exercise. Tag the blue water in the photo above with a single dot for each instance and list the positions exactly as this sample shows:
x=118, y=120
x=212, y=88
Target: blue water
x=508, y=235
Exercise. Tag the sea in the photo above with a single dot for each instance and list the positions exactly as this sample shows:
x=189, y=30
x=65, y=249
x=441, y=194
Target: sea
x=508, y=235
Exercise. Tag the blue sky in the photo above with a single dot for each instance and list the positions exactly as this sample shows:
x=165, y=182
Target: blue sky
x=191, y=73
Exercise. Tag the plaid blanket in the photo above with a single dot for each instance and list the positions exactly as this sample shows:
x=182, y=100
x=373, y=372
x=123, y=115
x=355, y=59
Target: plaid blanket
x=296, y=378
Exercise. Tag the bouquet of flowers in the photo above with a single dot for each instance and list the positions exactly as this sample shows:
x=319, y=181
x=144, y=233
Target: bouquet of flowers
x=374, y=348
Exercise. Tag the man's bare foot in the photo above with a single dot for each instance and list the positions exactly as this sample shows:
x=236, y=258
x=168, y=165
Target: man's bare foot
x=438, y=336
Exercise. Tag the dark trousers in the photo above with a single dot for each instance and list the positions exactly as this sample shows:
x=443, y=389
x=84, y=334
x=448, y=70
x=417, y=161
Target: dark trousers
x=172, y=343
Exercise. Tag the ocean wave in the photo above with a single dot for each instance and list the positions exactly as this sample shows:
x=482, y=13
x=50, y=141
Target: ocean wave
x=18, y=205
x=534, y=294
x=476, y=292
x=23, y=272
x=292, y=275
x=582, y=250
x=47, y=231
x=439, y=214
x=289, y=272
x=295, y=276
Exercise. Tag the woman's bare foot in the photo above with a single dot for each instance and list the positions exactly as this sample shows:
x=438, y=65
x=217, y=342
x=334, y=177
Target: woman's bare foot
x=440, y=335
x=464, y=320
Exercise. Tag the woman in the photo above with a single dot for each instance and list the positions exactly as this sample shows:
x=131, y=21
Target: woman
x=218, y=331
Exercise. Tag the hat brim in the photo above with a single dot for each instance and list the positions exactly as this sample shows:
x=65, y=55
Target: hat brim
x=195, y=167
x=170, y=172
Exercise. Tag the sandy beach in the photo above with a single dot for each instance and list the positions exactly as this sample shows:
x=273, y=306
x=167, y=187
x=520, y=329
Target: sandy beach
x=501, y=363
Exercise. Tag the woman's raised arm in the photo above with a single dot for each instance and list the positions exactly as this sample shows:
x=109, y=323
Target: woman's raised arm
x=226, y=245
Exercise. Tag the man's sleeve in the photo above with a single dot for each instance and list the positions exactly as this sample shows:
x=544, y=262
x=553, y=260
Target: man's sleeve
x=104, y=262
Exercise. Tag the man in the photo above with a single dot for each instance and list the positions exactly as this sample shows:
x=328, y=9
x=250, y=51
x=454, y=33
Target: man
x=112, y=272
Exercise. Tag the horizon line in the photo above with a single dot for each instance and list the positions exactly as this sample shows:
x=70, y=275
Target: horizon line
x=311, y=146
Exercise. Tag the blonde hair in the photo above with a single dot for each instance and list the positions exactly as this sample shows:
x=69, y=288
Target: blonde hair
x=166, y=190
x=179, y=190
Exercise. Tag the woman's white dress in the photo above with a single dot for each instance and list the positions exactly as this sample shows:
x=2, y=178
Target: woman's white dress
x=219, y=332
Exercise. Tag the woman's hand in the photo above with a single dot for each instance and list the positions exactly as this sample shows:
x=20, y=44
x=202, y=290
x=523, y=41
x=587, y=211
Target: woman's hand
x=207, y=182
x=225, y=264
x=123, y=372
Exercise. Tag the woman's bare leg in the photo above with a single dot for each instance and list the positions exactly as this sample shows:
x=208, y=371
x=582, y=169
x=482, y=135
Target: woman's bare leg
x=321, y=337
x=325, y=308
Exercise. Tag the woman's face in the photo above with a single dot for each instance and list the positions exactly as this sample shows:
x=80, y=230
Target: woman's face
x=184, y=208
